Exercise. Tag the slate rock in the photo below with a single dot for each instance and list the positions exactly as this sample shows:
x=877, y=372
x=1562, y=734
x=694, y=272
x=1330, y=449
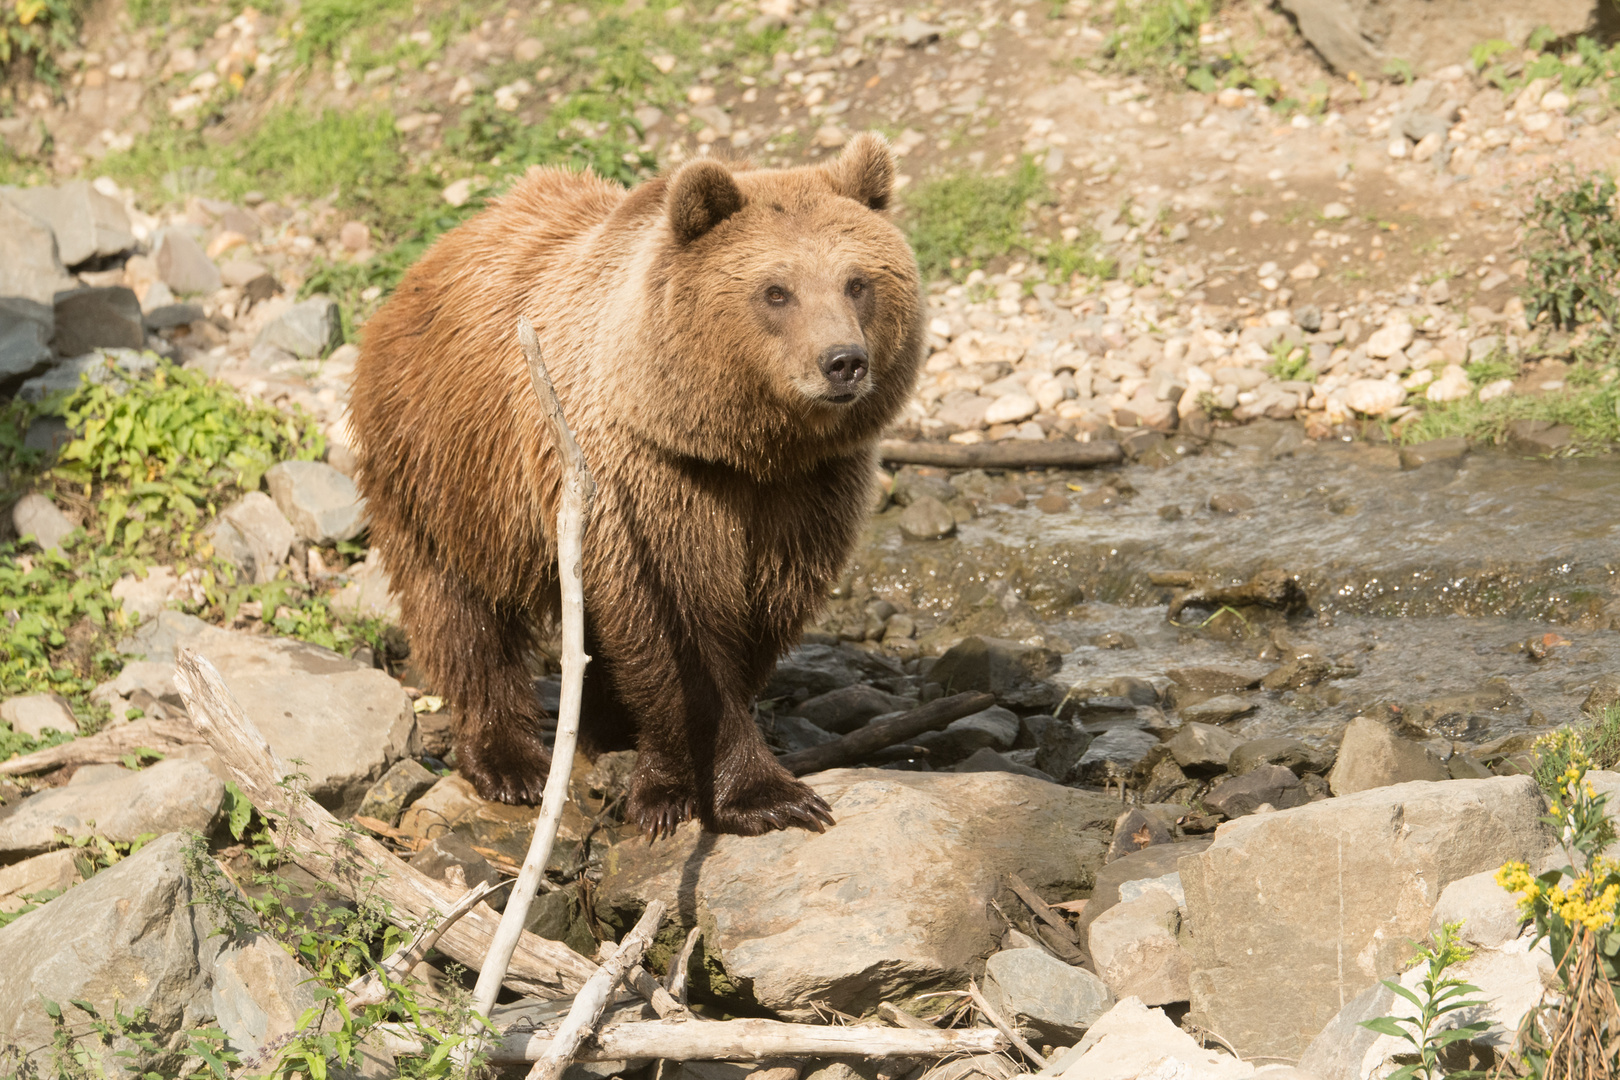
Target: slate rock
x=104, y=367
x=1220, y=709
x=1150, y=863
x=86, y=223
x=53, y=871
x=1279, y=750
x=1015, y=673
x=995, y=727
x=30, y=264
x=1268, y=785
x=34, y=714
x=988, y=760
x=26, y=328
x=96, y=318
x=182, y=263
x=847, y=708
x=868, y=911
x=323, y=505
x=817, y=669
x=1323, y=898
x=173, y=795
x=404, y=782
x=794, y=733
x=37, y=516
x=1202, y=749
x=1372, y=756
x=1061, y=745
x=1113, y=755
x=1058, y=1000
x=1135, y=949
x=306, y=329
x=253, y=535
x=346, y=721
x=927, y=519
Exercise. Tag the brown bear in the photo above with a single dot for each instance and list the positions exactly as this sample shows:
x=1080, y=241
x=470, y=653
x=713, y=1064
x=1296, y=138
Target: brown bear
x=727, y=345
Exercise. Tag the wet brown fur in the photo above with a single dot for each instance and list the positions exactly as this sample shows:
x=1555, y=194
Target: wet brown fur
x=729, y=494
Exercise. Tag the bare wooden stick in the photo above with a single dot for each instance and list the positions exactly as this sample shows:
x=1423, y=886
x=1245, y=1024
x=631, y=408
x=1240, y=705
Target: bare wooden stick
x=900, y=1018
x=353, y=862
x=164, y=736
x=1012, y=454
x=1042, y=912
x=1002, y=1026
x=750, y=1040
x=679, y=966
x=372, y=987
x=663, y=1003
x=577, y=493
x=879, y=734
x=590, y=1001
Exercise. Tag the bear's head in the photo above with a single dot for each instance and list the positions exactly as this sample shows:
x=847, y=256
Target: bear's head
x=789, y=319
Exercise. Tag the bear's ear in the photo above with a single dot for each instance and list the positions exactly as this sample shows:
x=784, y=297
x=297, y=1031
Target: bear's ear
x=701, y=196
x=864, y=171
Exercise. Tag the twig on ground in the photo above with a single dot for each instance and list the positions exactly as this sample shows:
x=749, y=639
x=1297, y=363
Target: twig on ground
x=353, y=862
x=372, y=987
x=1013, y=454
x=876, y=736
x=1003, y=1026
x=576, y=493
x=1041, y=910
x=679, y=966
x=900, y=1018
x=593, y=998
x=663, y=1003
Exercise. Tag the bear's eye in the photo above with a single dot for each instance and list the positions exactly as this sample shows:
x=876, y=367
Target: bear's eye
x=856, y=289
x=776, y=296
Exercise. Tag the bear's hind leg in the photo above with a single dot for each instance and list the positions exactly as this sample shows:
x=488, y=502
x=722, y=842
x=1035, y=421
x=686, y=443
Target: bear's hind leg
x=476, y=653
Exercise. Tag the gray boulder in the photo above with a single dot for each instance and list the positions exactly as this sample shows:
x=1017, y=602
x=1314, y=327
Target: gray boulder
x=1058, y=1000
x=37, y=516
x=927, y=519
x=1202, y=750
x=87, y=224
x=322, y=504
x=1371, y=755
x=1323, y=898
x=1489, y=914
x=893, y=900
x=1219, y=709
x=1134, y=947
x=102, y=367
x=53, y=871
x=1298, y=756
x=26, y=328
x=252, y=534
x=995, y=727
x=173, y=795
x=1269, y=785
x=183, y=264
x=790, y=734
x=815, y=669
x=1015, y=673
x=1113, y=755
x=1059, y=747
x=98, y=318
x=30, y=263
x=345, y=721
x=843, y=710
x=1150, y=864
x=35, y=714
x=306, y=329
x=1364, y=35
x=404, y=782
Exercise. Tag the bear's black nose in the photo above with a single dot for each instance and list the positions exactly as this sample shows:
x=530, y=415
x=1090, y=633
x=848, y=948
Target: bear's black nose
x=844, y=366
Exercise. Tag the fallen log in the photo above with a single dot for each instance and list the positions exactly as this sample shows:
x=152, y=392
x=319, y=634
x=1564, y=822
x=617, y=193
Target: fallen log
x=349, y=859
x=104, y=747
x=749, y=1040
x=1011, y=454
x=868, y=740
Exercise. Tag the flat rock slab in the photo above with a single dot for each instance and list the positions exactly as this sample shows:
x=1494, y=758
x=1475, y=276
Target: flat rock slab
x=893, y=900
x=26, y=328
x=346, y=722
x=87, y=223
x=108, y=317
x=172, y=796
x=1322, y=899
x=30, y=265
x=322, y=504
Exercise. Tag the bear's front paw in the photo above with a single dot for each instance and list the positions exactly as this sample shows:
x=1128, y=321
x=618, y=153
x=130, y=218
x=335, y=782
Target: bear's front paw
x=774, y=802
x=510, y=770
x=658, y=809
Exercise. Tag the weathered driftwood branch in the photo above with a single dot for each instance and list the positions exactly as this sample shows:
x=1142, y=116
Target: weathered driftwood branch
x=589, y=1002
x=678, y=967
x=879, y=734
x=577, y=492
x=663, y=1003
x=372, y=987
x=1002, y=1026
x=750, y=1040
x=1012, y=454
x=164, y=736
x=352, y=861
x=1041, y=911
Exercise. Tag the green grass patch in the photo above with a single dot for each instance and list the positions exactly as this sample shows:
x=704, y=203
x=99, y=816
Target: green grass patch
x=1593, y=410
x=1289, y=362
x=322, y=25
x=1157, y=35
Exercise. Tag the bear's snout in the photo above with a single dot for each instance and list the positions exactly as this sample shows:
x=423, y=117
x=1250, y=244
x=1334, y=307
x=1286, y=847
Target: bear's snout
x=843, y=366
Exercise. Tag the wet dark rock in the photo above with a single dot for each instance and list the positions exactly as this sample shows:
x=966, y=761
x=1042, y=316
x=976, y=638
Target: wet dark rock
x=1136, y=691
x=790, y=734
x=168, y=316
x=1113, y=755
x=1539, y=438
x=405, y=782
x=1014, y=672
x=183, y=264
x=1419, y=454
x=1062, y=744
x=1603, y=695
x=1136, y=829
x=1275, y=590
x=987, y=760
x=995, y=727
x=927, y=519
x=1373, y=756
x=1298, y=756
x=911, y=484
x=98, y=318
x=1239, y=796
x=1467, y=715
x=1220, y=709
x=1166, y=782
x=1467, y=767
x=1230, y=502
x=847, y=708
x=1202, y=749
x=810, y=670
x=1098, y=710
x=26, y=329
x=87, y=224
x=1170, y=512
x=1113, y=640
x=1298, y=673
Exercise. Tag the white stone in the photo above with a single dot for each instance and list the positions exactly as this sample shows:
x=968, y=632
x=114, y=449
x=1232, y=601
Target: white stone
x=1499, y=388
x=1011, y=408
x=33, y=714
x=50, y=872
x=1373, y=397
x=1489, y=913
x=1305, y=271
x=1134, y=1042
x=1134, y=948
x=1390, y=339
x=457, y=192
x=1452, y=385
x=145, y=597
x=1335, y=211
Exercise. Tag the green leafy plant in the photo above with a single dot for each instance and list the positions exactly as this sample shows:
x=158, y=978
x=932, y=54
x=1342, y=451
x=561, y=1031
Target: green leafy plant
x=1572, y=243
x=35, y=31
x=1439, y=994
x=323, y=24
x=1290, y=362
